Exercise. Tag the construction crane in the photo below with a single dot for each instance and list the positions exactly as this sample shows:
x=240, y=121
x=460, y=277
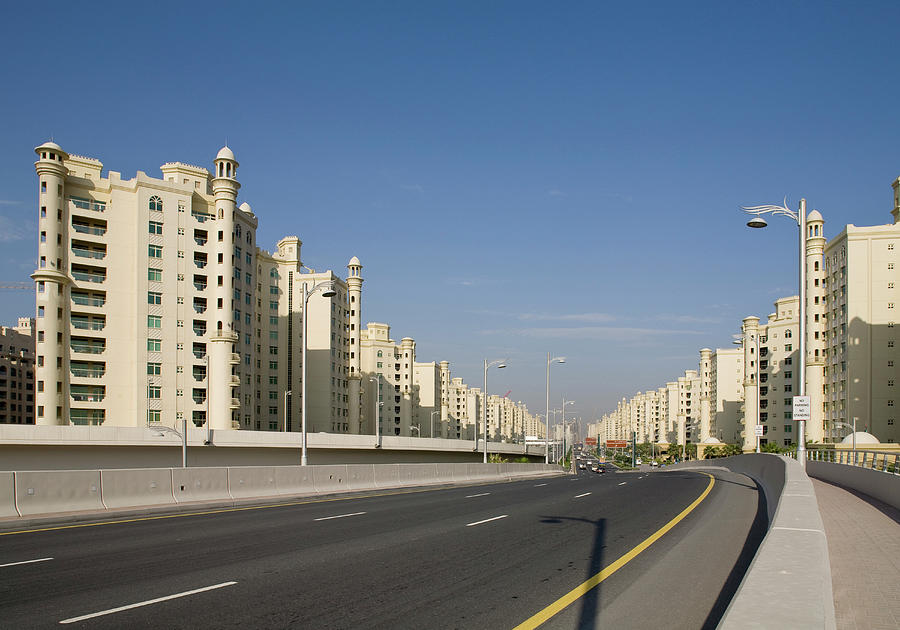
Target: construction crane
x=506, y=395
x=17, y=286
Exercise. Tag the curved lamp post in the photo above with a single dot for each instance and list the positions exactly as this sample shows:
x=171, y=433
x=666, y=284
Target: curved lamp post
x=800, y=218
x=499, y=364
x=327, y=290
x=547, y=417
x=564, y=403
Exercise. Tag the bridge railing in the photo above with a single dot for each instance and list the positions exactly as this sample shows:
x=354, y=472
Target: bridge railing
x=885, y=461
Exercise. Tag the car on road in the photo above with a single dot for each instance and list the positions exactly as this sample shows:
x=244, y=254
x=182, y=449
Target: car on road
x=581, y=466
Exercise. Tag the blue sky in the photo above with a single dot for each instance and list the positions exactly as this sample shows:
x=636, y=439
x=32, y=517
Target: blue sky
x=516, y=177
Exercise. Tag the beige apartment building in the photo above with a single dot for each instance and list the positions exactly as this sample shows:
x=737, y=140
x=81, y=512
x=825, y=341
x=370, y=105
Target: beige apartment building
x=17, y=373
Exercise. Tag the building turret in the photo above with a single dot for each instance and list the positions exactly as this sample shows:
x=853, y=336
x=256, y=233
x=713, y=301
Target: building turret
x=52, y=286
x=220, y=376
x=816, y=327
x=445, y=399
x=407, y=391
x=705, y=387
x=750, y=328
x=354, y=290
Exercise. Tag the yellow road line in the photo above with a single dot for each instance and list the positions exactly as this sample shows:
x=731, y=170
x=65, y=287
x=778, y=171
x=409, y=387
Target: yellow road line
x=235, y=509
x=560, y=604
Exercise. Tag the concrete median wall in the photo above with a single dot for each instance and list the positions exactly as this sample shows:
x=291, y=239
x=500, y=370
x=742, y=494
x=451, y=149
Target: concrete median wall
x=8, y=495
x=136, y=487
x=52, y=492
x=877, y=484
x=789, y=580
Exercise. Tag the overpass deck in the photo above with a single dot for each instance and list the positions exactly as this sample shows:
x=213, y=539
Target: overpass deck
x=864, y=551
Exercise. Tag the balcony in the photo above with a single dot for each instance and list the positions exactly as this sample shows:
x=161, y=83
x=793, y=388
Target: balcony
x=86, y=323
x=87, y=369
x=235, y=403
x=199, y=264
x=84, y=252
x=199, y=354
x=235, y=358
x=201, y=217
x=87, y=204
x=88, y=275
x=88, y=346
x=235, y=380
x=89, y=228
x=199, y=374
x=88, y=393
x=88, y=299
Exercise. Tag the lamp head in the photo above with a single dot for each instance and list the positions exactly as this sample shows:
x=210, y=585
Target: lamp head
x=757, y=222
x=328, y=290
x=501, y=366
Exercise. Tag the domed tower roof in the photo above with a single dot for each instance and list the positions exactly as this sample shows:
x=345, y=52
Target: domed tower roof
x=861, y=438
x=354, y=262
x=245, y=207
x=225, y=154
x=52, y=146
x=815, y=215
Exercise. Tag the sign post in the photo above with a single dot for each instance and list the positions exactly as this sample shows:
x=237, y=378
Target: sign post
x=800, y=413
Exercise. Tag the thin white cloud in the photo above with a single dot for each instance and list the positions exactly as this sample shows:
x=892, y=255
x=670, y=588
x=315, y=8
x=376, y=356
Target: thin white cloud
x=602, y=333
x=571, y=317
x=10, y=202
x=689, y=319
x=14, y=230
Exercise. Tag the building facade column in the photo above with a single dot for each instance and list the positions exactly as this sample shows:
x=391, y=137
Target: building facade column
x=750, y=329
x=354, y=289
x=816, y=327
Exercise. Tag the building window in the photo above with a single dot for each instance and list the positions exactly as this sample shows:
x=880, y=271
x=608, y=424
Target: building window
x=156, y=203
x=154, y=369
x=154, y=321
x=154, y=251
x=154, y=415
x=155, y=227
x=154, y=345
x=154, y=392
x=154, y=275
x=154, y=298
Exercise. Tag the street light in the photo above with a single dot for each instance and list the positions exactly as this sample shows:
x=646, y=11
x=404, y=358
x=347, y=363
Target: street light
x=376, y=405
x=800, y=217
x=500, y=363
x=564, y=403
x=286, y=394
x=756, y=378
x=327, y=290
x=549, y=361
x=433, y=413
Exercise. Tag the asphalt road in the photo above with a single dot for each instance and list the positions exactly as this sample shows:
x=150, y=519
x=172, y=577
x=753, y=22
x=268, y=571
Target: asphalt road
x=486, y=556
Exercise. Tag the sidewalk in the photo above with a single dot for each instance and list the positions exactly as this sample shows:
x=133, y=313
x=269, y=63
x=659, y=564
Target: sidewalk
x=864, y=551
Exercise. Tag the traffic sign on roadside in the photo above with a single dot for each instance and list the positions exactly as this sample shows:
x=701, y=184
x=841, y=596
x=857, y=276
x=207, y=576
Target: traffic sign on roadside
x=759, y=430
x=801, y=408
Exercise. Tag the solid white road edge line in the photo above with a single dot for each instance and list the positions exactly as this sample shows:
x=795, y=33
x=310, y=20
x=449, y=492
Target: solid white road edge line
x=12, y=564
x=472, y=496
x=328, y=518
x=623, y=483
x=578, y=496
x=487, y=520
x=540, y=484
x=147, y=603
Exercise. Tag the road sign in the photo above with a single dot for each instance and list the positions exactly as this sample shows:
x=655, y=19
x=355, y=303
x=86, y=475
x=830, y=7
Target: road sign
x=759, y=430
x=801, y=408
x=616, y=443
x=590, y=441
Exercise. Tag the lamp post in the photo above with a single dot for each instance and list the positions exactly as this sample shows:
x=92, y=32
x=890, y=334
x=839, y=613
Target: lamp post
x=549, y=361
x=756, y=377
x=327, y=290
x=376, y=405
x=800, y=217
x=564, y=403
x=433, y=414
x=286, y=394
x=499, y=364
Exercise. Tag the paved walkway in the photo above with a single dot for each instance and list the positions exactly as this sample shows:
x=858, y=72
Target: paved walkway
x=864, y=550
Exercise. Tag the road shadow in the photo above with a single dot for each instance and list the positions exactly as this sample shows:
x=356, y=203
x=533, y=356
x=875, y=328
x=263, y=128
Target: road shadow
x=751, y=544
x=590, y=601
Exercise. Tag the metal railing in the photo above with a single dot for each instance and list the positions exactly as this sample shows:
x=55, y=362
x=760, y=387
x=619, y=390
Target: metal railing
x=885, y=461
x=88, y=229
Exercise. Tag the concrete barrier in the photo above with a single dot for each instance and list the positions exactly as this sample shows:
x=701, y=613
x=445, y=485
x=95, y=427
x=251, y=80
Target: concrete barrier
x=200, y=484
x=49, y=491
x=789, y=580
x=482, y=472
x=361, y=476
x=136, y=487
x=387, y=476
x=8, y=494
x=294, y=480
x=330, y=479
x=246, y=482
x=877, y=484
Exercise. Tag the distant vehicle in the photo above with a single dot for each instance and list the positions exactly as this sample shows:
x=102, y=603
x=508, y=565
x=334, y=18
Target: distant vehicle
x=654, y=463
x=582, y=466
x=638, y=462
x=600, y=469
